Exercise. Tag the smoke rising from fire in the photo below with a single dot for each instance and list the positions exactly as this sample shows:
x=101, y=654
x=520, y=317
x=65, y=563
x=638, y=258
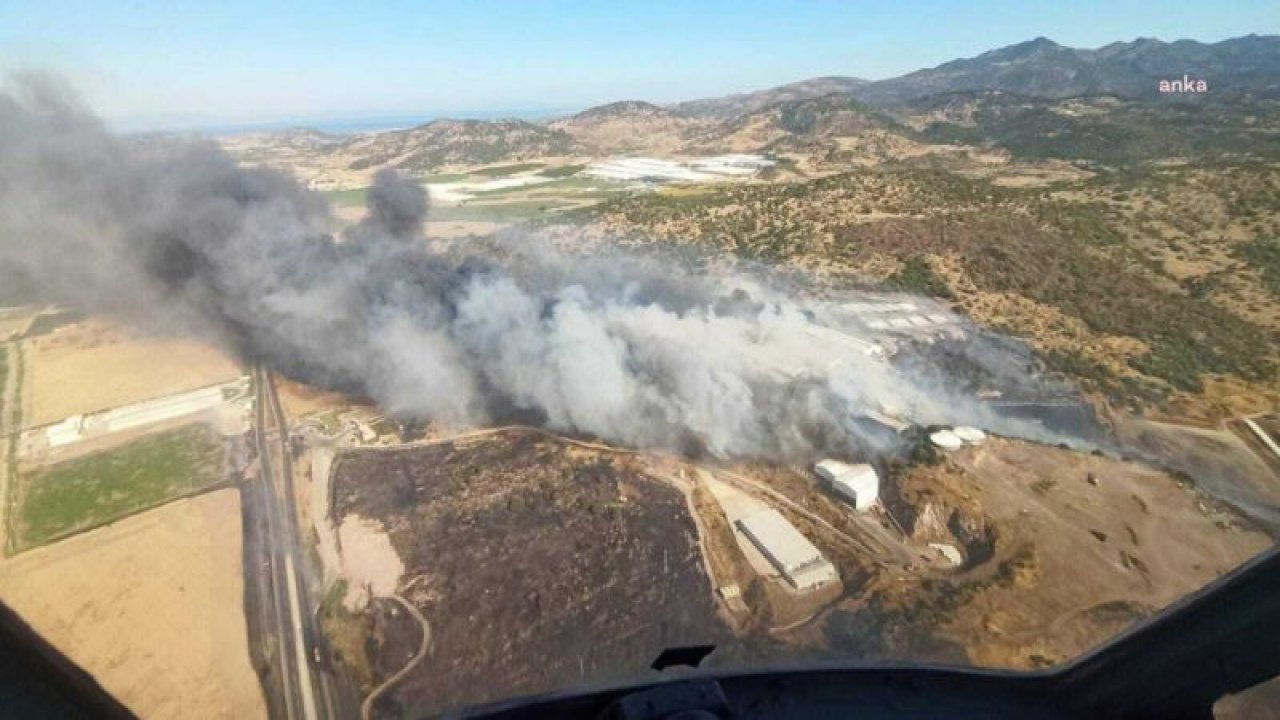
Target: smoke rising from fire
x=173, y=236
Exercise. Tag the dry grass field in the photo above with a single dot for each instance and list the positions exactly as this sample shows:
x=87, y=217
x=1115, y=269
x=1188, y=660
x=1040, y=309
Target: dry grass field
x=151, y=606
x=95, y=365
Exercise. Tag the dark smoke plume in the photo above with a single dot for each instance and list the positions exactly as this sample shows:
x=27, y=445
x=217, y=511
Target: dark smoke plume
x=173, y=236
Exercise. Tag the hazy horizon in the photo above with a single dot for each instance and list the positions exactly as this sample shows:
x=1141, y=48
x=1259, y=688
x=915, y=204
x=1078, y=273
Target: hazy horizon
x=239, y=66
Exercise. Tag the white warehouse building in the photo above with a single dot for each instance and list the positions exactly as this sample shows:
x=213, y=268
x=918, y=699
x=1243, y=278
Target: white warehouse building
x=791, y=553
x=859, y=484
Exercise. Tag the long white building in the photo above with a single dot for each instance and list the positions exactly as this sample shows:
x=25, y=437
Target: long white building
x=802, y=564
x=149, y=412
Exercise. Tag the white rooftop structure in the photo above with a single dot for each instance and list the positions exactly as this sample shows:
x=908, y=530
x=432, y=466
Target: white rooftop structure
x=970, y=435
x=895, y=424
x=645, y=169
x=705, y=169
x=791, y=553
x=148, y=412
x=736, y=164
x=949, y=552
x=742, y=159
x=947, y=440
x=65, y=432
x=859, y=484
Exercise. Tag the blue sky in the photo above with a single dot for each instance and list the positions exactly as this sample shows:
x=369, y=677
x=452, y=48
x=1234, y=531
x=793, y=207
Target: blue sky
x=235, y=61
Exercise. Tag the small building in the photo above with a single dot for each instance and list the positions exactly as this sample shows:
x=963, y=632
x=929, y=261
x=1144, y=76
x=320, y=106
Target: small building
x=802, y=564
x=859, y=484
x=949, y=552
x=971, y=435
x=731, y=594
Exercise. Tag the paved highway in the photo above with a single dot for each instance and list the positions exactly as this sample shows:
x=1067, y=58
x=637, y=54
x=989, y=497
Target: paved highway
x=304, y=686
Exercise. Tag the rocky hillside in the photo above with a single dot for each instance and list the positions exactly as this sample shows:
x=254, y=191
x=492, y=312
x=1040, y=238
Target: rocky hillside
x=444, y=143
x=730, y=106
x=832, y=129
x=1237, y=67
x=629, y=126
x=1036, y=101
x=1132, y=281
x=1100, y=129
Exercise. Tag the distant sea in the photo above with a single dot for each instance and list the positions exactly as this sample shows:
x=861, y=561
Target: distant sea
x=350, y=125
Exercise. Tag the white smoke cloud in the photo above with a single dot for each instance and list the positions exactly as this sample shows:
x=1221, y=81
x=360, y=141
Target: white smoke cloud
x=172, y=235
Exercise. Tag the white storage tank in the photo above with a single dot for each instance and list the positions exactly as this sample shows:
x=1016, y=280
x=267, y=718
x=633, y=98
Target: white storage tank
x=947, y=440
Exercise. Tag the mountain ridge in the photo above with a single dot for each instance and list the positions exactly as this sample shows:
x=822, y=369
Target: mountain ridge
x=1100, y=104
x=1040, y=67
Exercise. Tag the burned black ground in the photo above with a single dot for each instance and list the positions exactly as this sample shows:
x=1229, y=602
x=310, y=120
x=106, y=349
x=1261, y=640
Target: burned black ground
x=537, y=564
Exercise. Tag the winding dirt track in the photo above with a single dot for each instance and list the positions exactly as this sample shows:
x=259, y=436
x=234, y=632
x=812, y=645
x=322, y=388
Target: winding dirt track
x=366, y=708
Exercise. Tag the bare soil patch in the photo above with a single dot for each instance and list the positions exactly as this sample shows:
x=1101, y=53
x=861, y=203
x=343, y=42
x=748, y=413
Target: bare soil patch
x=300, y=400
x=1082, y=547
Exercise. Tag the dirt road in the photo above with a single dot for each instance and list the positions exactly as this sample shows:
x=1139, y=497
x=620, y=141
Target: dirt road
x=366, y=708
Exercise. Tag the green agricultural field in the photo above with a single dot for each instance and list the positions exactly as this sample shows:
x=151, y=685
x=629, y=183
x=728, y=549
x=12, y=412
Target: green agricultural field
x=505, y=170
x=562, y=171
x=347, y=198
x=88, y=491
x=496, y=212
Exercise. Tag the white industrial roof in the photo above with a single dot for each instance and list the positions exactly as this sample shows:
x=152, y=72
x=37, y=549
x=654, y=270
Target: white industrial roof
x=832, y=469
x=860, y=479
x=859, y=483
x=785, y=547
x=812, y=576
x=854, y=475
